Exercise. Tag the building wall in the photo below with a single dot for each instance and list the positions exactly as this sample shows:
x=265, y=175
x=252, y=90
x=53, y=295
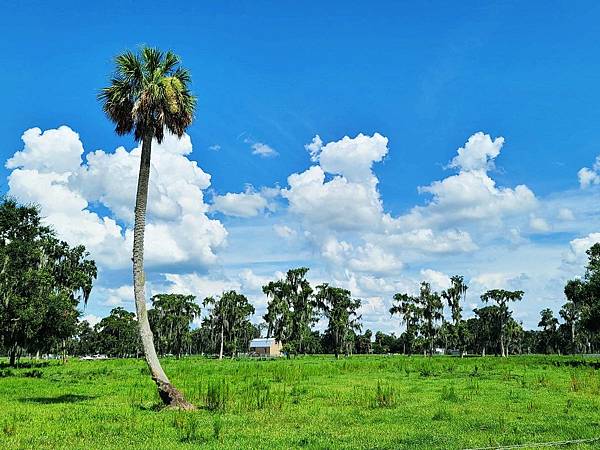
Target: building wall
x=273, y=350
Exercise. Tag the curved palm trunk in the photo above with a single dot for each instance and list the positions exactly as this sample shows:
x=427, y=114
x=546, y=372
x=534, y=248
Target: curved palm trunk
x=167, y=392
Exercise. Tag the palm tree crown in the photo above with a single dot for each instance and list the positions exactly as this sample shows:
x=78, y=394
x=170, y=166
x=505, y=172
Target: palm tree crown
x=148, y=93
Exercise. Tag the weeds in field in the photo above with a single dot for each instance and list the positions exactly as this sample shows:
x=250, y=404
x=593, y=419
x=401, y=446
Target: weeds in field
x=341, y=399
x=385, y=397
x=426, y=371
x=187, y=427
x=442, y=414
x=217, y=395
x=217, y=427
x=575, y=383
x=9, y=426
x=449, y=394
x=297, y=393
x=542, y=380
x=569, y=405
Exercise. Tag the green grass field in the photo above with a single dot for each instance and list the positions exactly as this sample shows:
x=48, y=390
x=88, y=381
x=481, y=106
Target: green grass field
x=308, y=402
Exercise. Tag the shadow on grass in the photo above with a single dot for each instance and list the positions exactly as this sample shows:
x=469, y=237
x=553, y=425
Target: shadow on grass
x=66, y=398
x=24, y=365
x=578, y=363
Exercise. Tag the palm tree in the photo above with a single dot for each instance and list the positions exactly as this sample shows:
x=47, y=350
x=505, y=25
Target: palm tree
x=502, y=297
x=149, y=94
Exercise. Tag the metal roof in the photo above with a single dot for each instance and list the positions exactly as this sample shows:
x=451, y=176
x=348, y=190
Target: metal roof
x=263, y=342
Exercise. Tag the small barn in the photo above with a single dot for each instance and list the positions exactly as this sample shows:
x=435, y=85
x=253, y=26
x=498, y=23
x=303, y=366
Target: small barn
x=265, y=347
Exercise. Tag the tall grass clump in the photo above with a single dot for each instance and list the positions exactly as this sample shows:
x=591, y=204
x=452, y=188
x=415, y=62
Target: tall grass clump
x=217, y=395
x=384, y=397
x=187, y=428
x=449, y=394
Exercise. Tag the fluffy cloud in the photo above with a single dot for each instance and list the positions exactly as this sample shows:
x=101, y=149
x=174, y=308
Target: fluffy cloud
x=178, y=229
x=588, y=176
x=539, y=224
x=565, y=214
x=263, y=150
x=438, y=280
x=478, y=153
x=200, y=286
x=470, y=196
x=339, y=197
x=284, y=231
x=243, y=204
x=337, y=204
x=374, y=259
x=498, y=280
x=352, y=158
x=427, y=240
x=91, y=319
x=56, y=150
x=119, y=296
x=576, y=255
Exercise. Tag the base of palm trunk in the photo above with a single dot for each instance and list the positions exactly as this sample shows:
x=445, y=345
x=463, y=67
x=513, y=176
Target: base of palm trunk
x=172, y=398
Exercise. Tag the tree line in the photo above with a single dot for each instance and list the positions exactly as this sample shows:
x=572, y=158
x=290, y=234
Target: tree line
x=432, y=322
x=44, y=281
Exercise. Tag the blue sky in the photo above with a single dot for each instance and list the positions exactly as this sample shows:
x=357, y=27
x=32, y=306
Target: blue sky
x=425, y=75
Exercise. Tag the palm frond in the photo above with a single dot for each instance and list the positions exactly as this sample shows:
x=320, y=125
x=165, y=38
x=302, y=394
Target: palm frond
x=148, y=94
x=151, y=58
x=129, y=67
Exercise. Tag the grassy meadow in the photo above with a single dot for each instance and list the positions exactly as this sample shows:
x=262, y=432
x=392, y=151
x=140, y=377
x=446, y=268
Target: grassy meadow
x=308, y=402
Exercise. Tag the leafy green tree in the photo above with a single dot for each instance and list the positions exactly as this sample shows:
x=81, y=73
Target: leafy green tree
x=363, y=342
x=514, y=336
x=589, y=291
x=407, y=307
x=549, y=325
x=571, y=310
x=420, y=314
x=229, y=317
x=42, y=281
x=117, y=334
x=340, y=309
x=454, y=296
x=85, y=341
x=485, y=328
x=170, y=319
x=431, y=311
x=147, y=95
x=501, y=297
x=291, y=309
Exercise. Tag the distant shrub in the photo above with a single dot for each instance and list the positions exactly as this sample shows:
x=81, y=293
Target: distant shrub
x=35, y=373
x=426, y=371
x=385, y=397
